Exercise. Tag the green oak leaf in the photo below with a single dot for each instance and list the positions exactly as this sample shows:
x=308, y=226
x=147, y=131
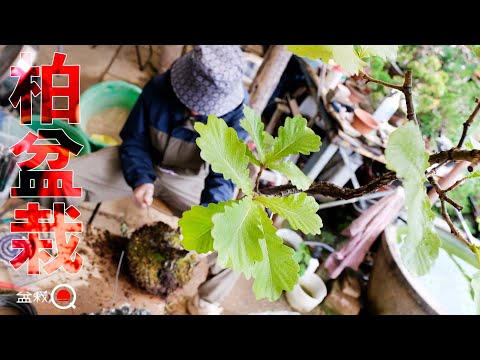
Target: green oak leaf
x=278, y=270
x=472, y=144
x=253, y=159
x=299, y=209
x=406, y=155
x=226, y=153
x=293, y=138
x=236, y=233
x=313, y=52
x=293, y=173
x=386, y=52
x=475, y=49
x=474, y=174
x=269, y=140
x=475, y=284
x=346, y=56
x=420, y=247
x=196, y=225
x=253, y=124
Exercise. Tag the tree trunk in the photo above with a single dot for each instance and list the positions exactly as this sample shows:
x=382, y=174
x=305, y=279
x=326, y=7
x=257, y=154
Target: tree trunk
x=268, y=76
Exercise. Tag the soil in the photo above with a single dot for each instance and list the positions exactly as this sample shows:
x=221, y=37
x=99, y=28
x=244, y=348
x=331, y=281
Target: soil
x=108, y=122
x=157, y=261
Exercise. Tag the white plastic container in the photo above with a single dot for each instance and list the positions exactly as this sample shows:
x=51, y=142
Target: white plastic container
x=308, y=293
x=310, y=290
x=388, y=106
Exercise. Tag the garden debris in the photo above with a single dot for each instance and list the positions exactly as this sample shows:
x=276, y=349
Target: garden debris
x=340, y=302
x=125, y=309
x=363, y=232
x=350, y=284
x=198, y=306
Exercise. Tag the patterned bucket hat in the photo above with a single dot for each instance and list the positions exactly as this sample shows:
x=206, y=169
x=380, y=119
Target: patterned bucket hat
x=208, y=79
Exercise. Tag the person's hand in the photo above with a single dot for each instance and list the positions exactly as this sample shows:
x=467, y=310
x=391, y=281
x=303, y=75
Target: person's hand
x=143, y=195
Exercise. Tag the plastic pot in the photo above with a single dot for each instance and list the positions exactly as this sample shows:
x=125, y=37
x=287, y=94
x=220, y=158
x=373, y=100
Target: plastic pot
x=103, y=96
x=310, y=290
x=73, y=132
x=308, y=293
x=363, y=121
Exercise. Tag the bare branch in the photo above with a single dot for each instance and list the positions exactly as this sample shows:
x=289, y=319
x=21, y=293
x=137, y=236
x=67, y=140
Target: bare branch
x=467, y=123
x=380, y=82
x=445, y=214
x=458, y=182
x=452, y=227
x=442, y=195
x=257, y=180
x=406, y=88
x=456, y=155
x=407, y=91
x=331, y=190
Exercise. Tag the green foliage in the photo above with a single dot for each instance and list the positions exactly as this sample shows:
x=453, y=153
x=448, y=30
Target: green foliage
x=299, y=209
x=240, y=231
x=406, y=155
x=293, y=173
x=302, y=256
x=254, y=126
x=236, y=232
x=350, y=57
x=475, y=49
x=444, y=85
x=472, y=144
x=475, y=284
x=226, y=153
x=197, y=225
x=293, y=138
x=278, y=271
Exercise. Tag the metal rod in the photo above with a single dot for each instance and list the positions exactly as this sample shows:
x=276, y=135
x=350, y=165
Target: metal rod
x=320, y=244
x=350, y=201
x=114, y=295
x=470, y=236
x=353, y=177
x=94, y=213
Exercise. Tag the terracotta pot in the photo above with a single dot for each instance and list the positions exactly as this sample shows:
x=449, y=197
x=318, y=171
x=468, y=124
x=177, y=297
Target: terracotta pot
x=363, y=121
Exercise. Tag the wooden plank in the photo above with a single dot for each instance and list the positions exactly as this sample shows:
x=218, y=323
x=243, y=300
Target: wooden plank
x=355, y=145
x=268, y=76
x=293, y=105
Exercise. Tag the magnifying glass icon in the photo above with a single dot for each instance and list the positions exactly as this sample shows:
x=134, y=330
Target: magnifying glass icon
x=64, y=296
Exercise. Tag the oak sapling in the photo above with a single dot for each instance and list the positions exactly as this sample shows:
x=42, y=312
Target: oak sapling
x=242, y=233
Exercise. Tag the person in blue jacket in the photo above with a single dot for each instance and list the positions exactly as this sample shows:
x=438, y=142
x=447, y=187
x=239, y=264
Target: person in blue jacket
x=159, y=156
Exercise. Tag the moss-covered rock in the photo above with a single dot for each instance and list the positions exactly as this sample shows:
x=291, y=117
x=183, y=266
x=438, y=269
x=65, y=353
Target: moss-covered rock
x=157, y=261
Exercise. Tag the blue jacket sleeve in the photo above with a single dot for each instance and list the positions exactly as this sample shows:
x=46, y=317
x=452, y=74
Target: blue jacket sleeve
x=216, y=188
x=135, y=150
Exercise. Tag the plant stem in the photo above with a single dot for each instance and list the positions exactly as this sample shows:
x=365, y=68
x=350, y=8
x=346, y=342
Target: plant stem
x=257, y=180
x=443, y=198
x=467, y=123
x=406, y=89
x=331, y=190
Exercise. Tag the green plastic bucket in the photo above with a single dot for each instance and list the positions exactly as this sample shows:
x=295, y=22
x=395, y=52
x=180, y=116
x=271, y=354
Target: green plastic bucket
x=74, y=133
x=103, y=96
